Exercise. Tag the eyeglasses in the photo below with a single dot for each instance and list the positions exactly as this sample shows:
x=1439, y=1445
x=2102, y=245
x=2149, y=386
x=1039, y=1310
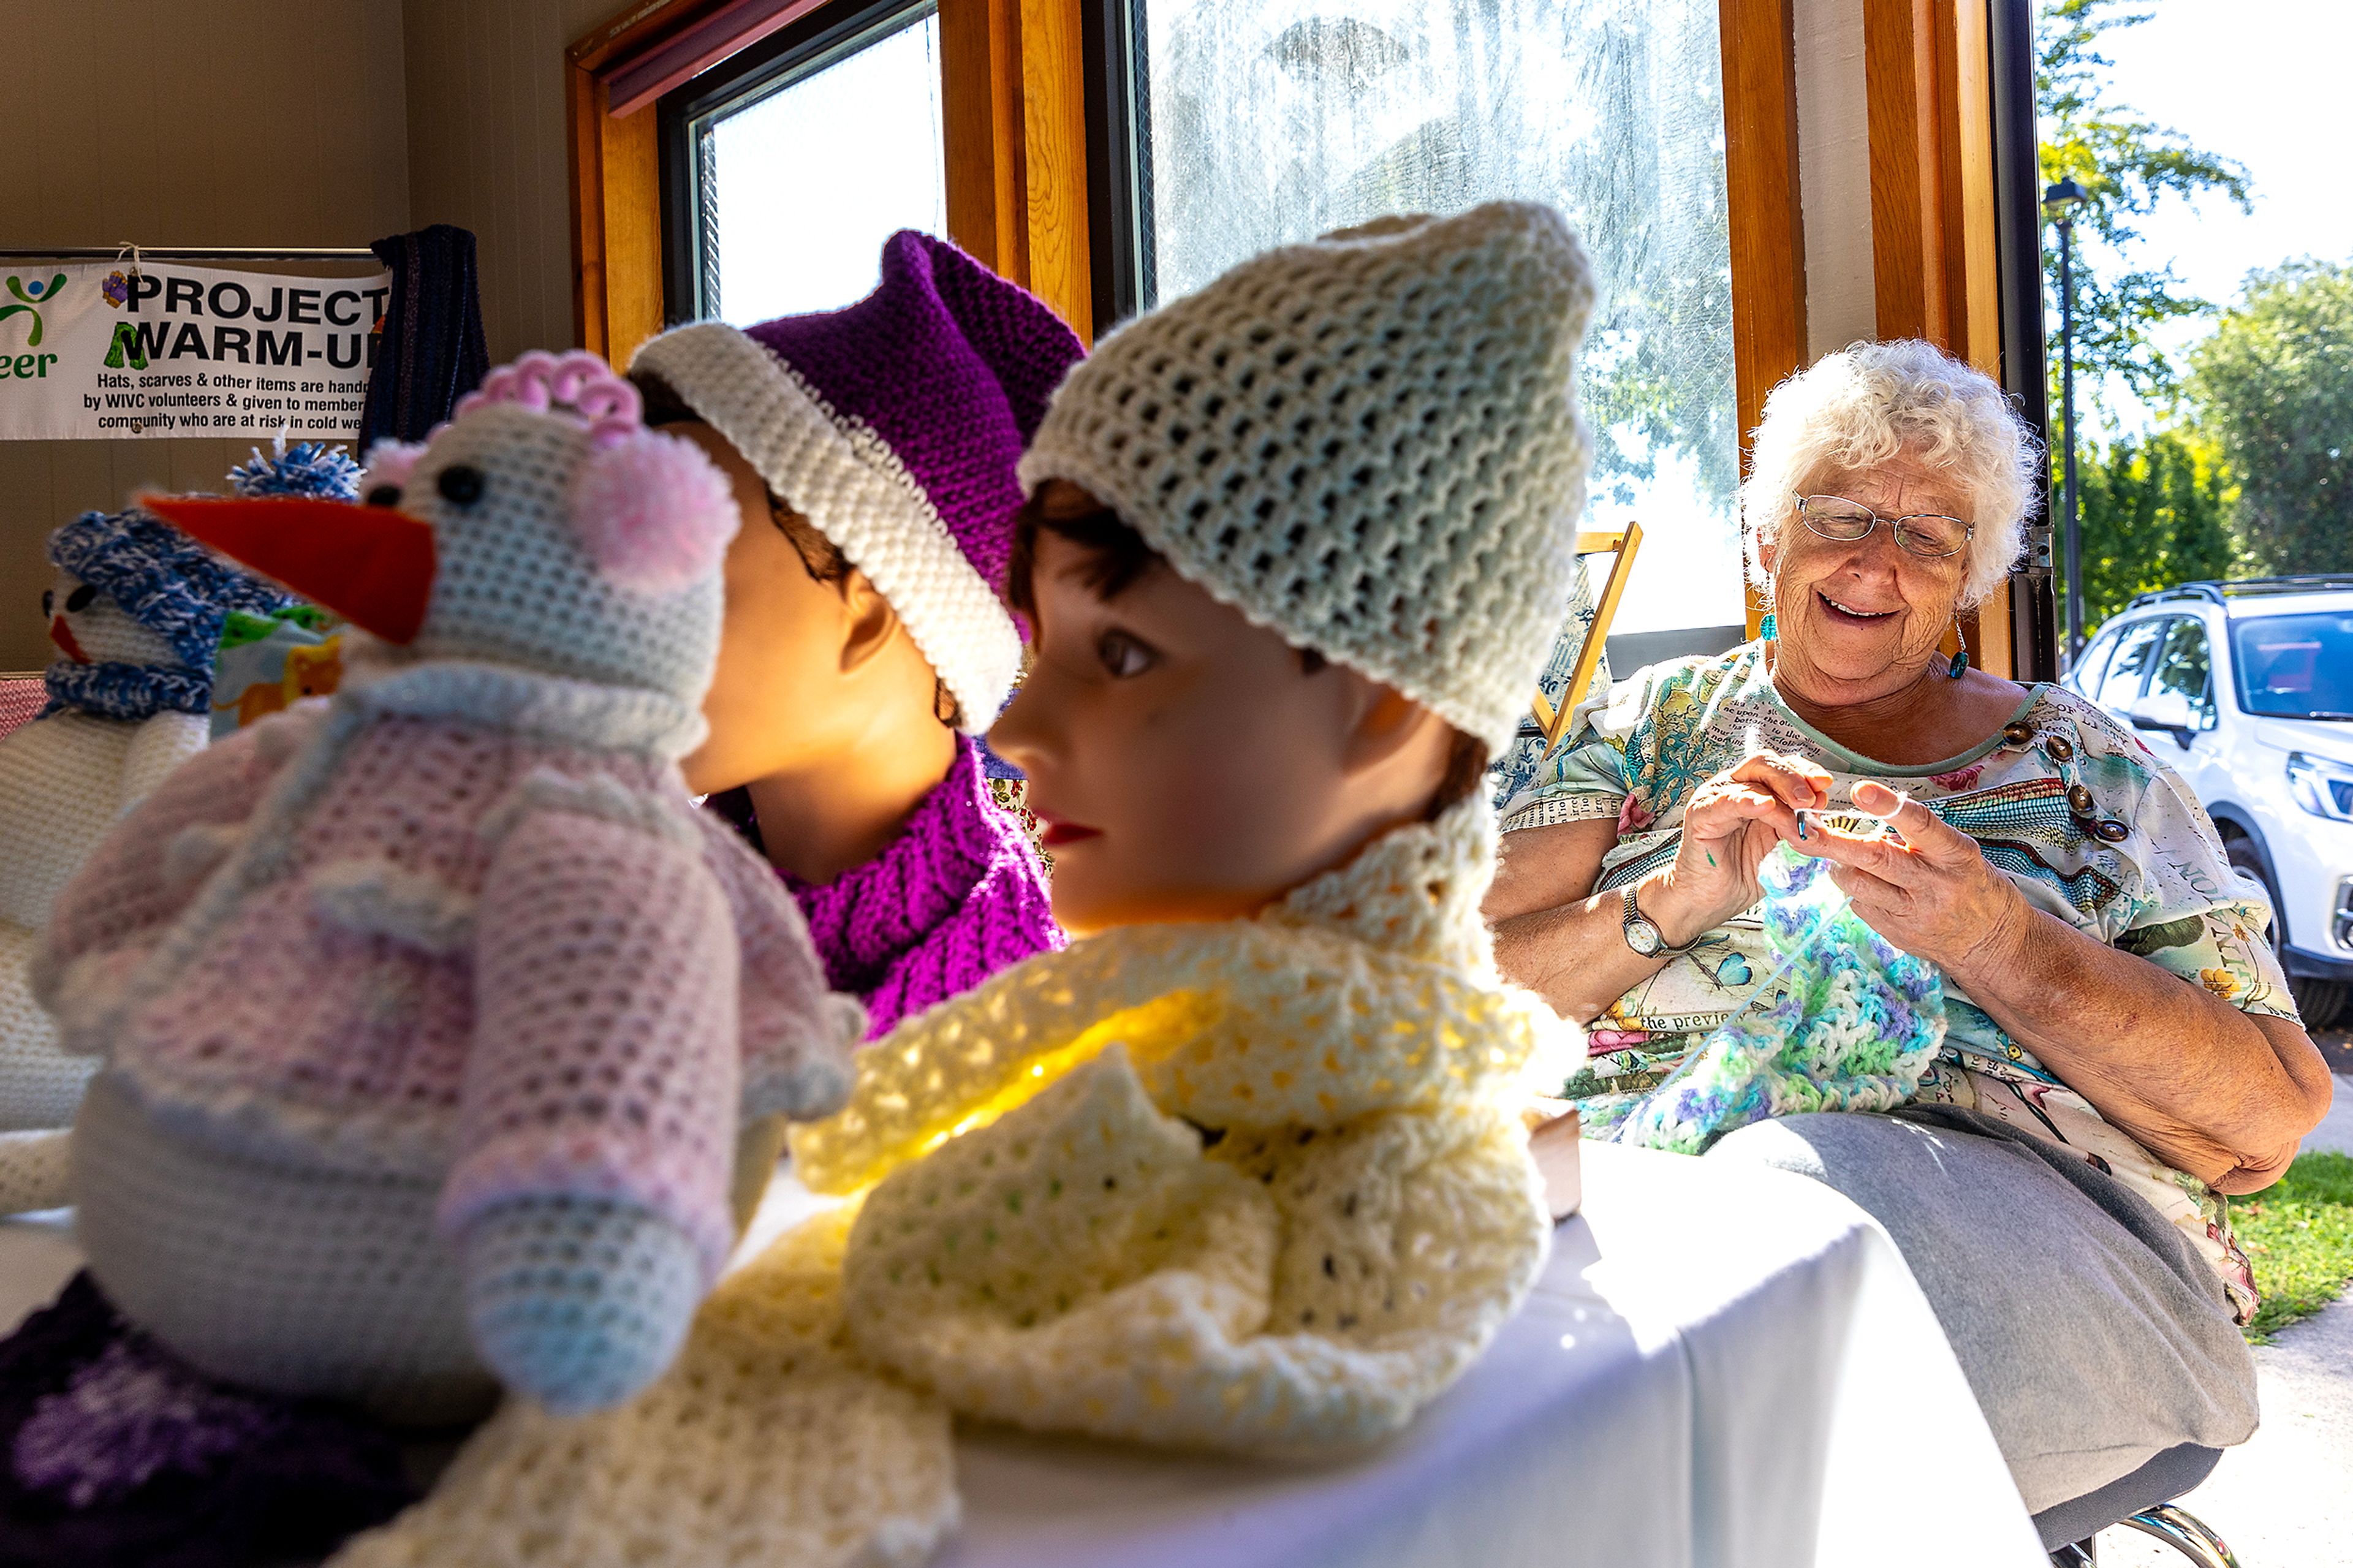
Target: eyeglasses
x=1929, y=534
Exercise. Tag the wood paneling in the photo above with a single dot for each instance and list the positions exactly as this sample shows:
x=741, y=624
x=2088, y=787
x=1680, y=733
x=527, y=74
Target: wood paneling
x=1767, y=210
x=1928, y=73
x=181, y=125
x=1013, y=92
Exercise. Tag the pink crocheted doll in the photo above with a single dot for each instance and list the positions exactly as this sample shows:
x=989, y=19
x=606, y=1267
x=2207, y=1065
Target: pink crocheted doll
x=429, y=1017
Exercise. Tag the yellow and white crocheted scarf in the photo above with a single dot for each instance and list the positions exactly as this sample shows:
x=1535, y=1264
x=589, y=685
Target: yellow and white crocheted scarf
x=1256, y=1185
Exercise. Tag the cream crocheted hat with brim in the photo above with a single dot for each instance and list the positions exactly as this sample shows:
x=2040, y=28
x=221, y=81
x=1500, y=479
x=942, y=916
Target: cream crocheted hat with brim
x=1368, y=443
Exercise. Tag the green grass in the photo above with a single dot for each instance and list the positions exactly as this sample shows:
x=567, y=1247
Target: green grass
x=2299, y=1236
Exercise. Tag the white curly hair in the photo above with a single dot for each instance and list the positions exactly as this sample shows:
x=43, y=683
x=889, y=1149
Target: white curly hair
x=1870, y=402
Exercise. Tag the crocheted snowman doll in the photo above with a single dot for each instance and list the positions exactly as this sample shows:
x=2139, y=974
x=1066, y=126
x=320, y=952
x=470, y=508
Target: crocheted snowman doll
x=135, y=609
x=429, y=1015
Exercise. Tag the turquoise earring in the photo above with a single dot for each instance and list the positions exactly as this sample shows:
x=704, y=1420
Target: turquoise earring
x=1960, y=665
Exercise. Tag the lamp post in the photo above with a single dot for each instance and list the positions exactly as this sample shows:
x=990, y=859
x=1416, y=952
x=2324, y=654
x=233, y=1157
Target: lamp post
x=2059, y=204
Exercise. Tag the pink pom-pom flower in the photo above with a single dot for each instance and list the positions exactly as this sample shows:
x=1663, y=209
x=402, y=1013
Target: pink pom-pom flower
x=653, y=511
x=390, y=463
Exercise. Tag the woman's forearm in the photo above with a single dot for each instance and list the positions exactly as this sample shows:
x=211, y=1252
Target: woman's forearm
x=1575, y=956
x=2194, y=1080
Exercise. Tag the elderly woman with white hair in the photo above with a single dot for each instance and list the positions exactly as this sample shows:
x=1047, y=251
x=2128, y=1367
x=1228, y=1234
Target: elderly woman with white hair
x=2121, y=1046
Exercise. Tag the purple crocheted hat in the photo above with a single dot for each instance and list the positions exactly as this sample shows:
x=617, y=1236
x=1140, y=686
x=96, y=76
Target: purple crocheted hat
x=893, y=426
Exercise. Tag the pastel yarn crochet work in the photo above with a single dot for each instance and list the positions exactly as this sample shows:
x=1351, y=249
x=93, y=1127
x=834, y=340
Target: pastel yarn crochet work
x=450, y=971
x=1845, y=1021
x=1257, y=1185
x=1368, y=443
x=135, y=608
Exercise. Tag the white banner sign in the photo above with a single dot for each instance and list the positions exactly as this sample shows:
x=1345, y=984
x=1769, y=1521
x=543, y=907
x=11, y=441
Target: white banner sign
x=94, y=349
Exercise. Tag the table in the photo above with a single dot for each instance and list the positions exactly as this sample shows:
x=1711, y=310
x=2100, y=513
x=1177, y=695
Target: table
x=1720, y=1368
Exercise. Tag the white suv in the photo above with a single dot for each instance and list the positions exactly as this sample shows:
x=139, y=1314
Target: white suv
x=2246, y=689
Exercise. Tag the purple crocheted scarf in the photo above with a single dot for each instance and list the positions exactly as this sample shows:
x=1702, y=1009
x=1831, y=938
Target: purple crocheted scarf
x=115, y=1453
x=956, y=897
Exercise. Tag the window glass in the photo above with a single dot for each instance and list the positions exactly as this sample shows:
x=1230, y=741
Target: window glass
x=2121, y=686
x=1268, y=121
x=2093, y=663
x=2181, y=688
x=799, y=184
x=2296, y=667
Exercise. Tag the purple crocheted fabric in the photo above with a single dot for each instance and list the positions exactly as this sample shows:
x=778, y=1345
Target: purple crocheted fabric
x=118, y=1453
x=951, y=365
x=956, y=897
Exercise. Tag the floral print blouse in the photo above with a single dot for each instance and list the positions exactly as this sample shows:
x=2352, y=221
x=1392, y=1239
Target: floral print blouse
x=2073, y=809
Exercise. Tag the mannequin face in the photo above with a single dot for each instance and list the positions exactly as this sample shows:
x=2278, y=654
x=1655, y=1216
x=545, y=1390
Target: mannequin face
x=806, y=669
x=1184, y=762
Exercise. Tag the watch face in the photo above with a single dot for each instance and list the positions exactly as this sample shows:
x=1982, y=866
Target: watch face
x=1643, y=936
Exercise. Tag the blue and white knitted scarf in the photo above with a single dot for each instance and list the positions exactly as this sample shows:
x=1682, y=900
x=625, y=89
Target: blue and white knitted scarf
x=132, y=691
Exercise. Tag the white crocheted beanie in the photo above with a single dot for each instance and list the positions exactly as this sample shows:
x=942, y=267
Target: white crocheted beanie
x=1368, y=443
x=893, y=426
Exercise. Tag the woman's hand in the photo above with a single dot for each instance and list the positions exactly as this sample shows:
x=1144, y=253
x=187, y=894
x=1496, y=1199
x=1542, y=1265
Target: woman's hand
x=1933, y=895
x=1730, y=825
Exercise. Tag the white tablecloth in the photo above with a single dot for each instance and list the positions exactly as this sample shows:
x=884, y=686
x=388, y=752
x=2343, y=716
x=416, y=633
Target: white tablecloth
x=1720, y=1367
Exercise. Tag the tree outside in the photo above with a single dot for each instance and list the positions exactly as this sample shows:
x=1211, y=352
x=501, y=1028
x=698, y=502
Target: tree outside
x=2155, y=511
x=2248, y=467
x=2273, y=384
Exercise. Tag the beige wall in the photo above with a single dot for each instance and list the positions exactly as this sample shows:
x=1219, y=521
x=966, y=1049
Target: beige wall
x=486, y=150
x=230, y=122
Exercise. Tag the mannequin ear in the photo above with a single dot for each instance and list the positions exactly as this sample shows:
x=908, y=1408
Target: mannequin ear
x=1386, y=723
x=869, y=623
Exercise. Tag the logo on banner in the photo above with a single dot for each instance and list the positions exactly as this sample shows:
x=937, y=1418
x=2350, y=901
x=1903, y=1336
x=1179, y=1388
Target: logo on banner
x=30, y=298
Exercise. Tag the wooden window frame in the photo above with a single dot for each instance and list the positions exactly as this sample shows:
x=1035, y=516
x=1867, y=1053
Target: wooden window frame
x=1013, y=102
x=1929, y=91
x=1014, y=86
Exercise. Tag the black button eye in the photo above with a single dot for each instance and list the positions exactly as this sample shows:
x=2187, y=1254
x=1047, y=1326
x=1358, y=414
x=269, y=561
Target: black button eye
x=459, y=485
x=49, y=603
x=79, y=599
x=383, y=495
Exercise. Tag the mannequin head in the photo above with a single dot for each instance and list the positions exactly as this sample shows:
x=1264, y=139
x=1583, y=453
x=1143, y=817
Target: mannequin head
x=1186, y=763
x=814, y=664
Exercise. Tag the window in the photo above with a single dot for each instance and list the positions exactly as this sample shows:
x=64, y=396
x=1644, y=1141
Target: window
x=2296, y=667
x=2120, y=688
x=2181, y=688
x=2094, y=663
x=800, y=162
x=1264, y=121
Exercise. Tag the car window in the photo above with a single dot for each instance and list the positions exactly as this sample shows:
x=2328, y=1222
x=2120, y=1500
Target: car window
x=2182, y=684
x=2094, y=662
x=2296, y=667
x=2135, y=649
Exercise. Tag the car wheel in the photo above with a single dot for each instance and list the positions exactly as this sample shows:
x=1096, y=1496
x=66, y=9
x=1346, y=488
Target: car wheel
x=2248, y=862
x=2321, y=1002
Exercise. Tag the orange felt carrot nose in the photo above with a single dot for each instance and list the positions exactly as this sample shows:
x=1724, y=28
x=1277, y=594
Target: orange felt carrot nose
x=370, y=564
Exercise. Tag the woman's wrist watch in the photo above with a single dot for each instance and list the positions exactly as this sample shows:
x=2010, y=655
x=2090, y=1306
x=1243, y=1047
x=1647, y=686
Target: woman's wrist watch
x=1644, y=935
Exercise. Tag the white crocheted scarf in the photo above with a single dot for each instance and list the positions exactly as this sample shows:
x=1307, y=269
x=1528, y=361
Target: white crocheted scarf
x=1256, y=1185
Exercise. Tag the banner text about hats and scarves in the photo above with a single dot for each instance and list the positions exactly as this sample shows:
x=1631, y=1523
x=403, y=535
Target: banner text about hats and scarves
x=96, y=351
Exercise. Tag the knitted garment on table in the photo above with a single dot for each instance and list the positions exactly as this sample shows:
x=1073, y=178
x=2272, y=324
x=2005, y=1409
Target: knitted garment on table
x=1256, y=1185
x=766, y=1443
x=1368, y=443
x=956, y=897
x=1845, y=1021
x=64, y=782
x=115, y=1454
x=893, y=426
x=294, y=947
